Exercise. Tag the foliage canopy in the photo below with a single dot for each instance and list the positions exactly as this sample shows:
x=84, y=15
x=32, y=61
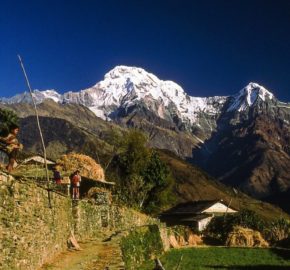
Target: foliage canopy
x=143, y=177
x=8, y=119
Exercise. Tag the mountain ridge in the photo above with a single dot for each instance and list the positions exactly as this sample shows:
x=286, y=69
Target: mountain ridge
x=124, y=86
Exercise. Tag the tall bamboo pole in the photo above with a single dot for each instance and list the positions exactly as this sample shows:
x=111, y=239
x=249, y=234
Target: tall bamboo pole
x=39, y=129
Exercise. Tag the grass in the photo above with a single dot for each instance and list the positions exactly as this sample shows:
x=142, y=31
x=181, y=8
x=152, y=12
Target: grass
x=223, y=258
x=31, y=171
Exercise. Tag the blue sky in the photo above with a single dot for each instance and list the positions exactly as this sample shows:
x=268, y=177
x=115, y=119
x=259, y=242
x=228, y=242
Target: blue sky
x=211, y=47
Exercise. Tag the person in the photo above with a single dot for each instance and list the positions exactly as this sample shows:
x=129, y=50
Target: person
x=11, y=146
x=56, y=176
x=76, y=181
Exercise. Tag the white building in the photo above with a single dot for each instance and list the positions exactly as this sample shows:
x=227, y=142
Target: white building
x=196, y=213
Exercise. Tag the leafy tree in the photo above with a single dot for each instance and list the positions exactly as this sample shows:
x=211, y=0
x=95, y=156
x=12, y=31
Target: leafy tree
x=157, y=176
x=135, y=155
x=8, y=119
x=142, y=176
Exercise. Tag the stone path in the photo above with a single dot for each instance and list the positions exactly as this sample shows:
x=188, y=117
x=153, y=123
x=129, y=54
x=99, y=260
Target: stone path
x=95, y=255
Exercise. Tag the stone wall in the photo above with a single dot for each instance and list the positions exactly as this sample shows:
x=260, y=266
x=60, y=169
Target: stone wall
x=31, y=233
x=91, y=220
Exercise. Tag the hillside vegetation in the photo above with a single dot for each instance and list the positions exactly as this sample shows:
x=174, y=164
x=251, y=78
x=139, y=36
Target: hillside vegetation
x=192, y=183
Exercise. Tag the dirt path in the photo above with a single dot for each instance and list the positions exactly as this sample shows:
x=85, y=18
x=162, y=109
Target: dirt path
x=95, y=255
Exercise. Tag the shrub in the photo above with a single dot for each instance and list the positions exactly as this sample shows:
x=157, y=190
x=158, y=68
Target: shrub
x=142, y=244
x=278, y=230
x=7, y=119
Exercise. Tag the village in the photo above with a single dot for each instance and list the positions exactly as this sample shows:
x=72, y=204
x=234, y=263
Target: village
x=200, y=223
x=90, y=214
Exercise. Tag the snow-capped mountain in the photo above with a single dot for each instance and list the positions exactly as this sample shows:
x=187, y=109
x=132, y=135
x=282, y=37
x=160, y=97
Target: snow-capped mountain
x=124, y=87
x=248, y=96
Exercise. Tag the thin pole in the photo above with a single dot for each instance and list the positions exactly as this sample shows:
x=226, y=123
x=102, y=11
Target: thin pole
x=39, y=128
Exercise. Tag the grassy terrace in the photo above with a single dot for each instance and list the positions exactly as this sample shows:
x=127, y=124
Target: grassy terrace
x=223, y=258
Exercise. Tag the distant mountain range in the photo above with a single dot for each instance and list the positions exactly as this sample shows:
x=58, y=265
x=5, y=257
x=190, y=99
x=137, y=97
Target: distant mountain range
x=243, y=140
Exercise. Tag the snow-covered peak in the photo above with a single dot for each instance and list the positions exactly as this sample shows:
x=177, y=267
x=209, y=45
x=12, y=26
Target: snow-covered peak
x=124, y=79
x=124, y=86
x=247, y=96
x=39, y=96
x=137, y=74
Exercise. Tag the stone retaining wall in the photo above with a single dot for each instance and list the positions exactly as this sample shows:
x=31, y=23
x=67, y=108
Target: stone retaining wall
x=31, y=233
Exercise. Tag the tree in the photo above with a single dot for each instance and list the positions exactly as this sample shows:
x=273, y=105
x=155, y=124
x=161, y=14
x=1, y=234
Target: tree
x=142, y=175
x=156, y=175
x=135, y=155
x=131, y=161
x=8, y=119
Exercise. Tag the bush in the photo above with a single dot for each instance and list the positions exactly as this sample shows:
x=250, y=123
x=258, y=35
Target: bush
x=278, y=230
x=7, y=119
x=142, y=244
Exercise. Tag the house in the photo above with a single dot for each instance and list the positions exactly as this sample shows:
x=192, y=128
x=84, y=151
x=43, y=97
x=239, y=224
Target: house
x=196, y=213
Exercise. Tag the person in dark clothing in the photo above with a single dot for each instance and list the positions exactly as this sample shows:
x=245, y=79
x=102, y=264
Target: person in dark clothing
x=56, y=176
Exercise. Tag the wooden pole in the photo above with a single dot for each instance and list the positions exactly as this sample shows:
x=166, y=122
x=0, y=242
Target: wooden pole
x=158, y=265
x=39, y=129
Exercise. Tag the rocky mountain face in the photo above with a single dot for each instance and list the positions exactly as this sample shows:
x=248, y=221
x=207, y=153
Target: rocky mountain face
x=243, y=140
x=250, y=149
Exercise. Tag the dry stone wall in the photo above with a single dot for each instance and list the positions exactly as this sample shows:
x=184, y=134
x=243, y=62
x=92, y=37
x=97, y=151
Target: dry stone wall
x=93, y=219
x=31, y=233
